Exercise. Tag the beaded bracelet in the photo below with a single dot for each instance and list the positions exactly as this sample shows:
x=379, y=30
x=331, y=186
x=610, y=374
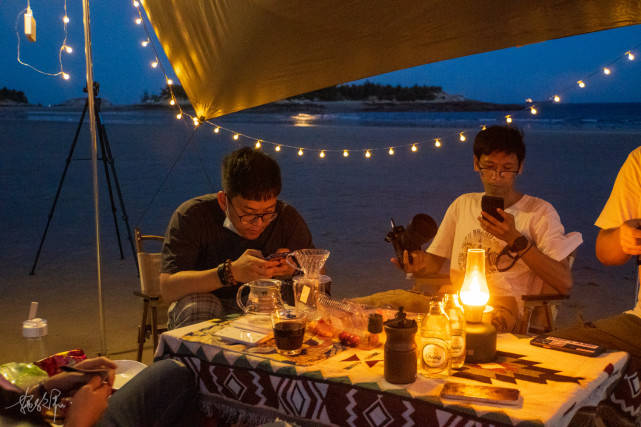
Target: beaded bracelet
x=225, y=274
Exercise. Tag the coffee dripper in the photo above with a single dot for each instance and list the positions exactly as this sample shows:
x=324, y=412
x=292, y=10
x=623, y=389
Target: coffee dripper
x=306, y=287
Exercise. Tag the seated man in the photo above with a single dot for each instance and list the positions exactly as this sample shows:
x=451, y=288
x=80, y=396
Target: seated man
x=531, y=229
x=217, y=241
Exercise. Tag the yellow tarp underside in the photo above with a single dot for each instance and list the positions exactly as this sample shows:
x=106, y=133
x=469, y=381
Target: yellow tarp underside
x=235, y=54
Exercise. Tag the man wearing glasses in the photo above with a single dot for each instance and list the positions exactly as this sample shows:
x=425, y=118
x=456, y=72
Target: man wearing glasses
x=217, y=241
x=526, y=250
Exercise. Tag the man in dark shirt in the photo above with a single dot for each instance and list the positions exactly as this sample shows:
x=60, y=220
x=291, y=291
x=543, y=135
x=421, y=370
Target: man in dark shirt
x=217, y=241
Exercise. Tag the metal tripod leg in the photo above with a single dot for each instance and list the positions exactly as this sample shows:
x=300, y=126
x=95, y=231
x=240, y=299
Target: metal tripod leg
x=62, y=180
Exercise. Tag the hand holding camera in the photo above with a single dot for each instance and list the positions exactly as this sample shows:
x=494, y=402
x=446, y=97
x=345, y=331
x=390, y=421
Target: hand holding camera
x=407, y=242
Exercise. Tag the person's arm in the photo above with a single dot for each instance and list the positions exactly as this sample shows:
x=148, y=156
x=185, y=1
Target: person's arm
x=423, y=263
x=615, y=246
x=556, y=274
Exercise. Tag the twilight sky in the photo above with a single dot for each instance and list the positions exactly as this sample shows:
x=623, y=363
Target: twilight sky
x=122, y=67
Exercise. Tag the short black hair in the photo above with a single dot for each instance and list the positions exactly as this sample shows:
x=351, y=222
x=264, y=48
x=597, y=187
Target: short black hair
x=505, y=139
x=251, y=174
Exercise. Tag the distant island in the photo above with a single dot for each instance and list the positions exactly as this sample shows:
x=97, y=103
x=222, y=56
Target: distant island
x=362, y=97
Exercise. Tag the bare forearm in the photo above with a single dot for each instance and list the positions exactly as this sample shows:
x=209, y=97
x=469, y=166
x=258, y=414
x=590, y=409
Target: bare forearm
x=556, y=274
x=431, y=264
x=608, y=248
x=177, y=285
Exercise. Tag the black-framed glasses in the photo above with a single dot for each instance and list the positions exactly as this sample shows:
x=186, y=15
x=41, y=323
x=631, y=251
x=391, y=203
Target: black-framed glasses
x=252, y=219
x=492, y=173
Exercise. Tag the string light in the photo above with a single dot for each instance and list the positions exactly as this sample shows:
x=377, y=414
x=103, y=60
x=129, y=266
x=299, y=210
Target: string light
x=630, y=55
x=533, y=111
x=508, y=119
x=67, y=49
x=138, y=21
x=179, y=116
x=528, y=100
x=607, y=71
x=196, y=121
x=236, y=136
x=154, y=64
x=277, y=148
x=461, y=137
x=581, y=84
x=173, y=102
x=65, y=19
x=300, y=151
x=257, y=145
x=437, y=143
x=368, y=154
x=345, y=153
x=66, y=76
x=483, y=127
x=557, y=98
x=170, y=82
x=414, y=148
x=391, y=151
x=216, y=129
x=136, y=3
x=321, y=154
x=144, y=43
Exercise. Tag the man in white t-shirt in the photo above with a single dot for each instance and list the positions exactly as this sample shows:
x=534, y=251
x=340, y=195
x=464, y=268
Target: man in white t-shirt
x=531, y=230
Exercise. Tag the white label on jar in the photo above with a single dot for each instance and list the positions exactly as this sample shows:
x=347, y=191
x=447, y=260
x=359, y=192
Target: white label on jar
x=458, y=345
x=304, y=294
x=434, y=356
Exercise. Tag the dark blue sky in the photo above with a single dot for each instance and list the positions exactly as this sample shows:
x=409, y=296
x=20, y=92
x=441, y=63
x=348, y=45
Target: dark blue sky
x=122, y=67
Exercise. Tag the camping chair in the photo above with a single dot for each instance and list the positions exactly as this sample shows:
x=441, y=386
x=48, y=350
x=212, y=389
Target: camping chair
x=149, y=267
x=543, y=308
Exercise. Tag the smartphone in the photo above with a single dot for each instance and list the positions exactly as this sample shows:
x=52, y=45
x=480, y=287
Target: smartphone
x=480, y=393
x=490, y=204
x=277, y=255
x=569, y=346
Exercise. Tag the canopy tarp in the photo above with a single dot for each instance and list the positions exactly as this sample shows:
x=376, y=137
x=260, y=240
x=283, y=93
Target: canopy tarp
x=230, y=55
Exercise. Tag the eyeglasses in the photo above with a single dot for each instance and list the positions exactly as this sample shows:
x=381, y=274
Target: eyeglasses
x=252, y=219
x=492, y=173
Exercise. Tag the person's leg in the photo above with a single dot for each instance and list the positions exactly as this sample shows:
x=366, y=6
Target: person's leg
x=164, y=394
x=194, y=308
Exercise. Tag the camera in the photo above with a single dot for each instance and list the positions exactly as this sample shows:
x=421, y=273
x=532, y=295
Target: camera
x=421, y=230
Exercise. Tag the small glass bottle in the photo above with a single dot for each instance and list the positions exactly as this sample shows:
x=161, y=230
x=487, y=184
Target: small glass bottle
x=454, y=311
x=374, y=329
x=35, y=332
x=434, y=349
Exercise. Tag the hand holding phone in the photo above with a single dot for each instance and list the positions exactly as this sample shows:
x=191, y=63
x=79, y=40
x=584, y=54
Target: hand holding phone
x=490, y=204
x=277, y=255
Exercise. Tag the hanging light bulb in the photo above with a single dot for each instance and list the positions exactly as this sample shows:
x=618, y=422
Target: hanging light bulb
x=67, y=49
x=170, y=82
x=533, y=111
x=368, y=154
x=65, y=19
x=66, y=76
x=144, y=43
x=607, y=71
x=236, y=136
x=179, y=116
x=136, y=3
x=217, y=129
x=437, y=143
x=557, y=98
x=508, y=119
x=630, y=55
x=391, y=151
x=414, y=148
x=483, y=127
x=528, y=100
x=277, y=148
x=300, y=151
x=172, y=102
x=461, y=137
x=154, y=64
x=258, y=145
x=138, y=21
x=196, y=121
x=345, y=153
x=581, y=84
x=321, y=154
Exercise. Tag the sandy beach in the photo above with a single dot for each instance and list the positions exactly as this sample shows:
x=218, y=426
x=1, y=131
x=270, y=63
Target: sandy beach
x=347, y=203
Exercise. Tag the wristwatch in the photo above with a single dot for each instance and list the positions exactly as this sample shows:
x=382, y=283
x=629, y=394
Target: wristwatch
x=519, y=244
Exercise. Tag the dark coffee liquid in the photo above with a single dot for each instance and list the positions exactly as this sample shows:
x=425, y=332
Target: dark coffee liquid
x=289, y=335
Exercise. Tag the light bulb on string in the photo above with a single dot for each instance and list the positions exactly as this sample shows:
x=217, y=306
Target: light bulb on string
x=462, y=137
x=179, y=116
x=508, y=119
x=581, y=84
x=136, y=3
x=216, y=129
x=533, y=111
x=300, y=151
x=437, y=143
x=154, y=64
x=258, y=145
x=483, y=127
x=607, y=71
x=172, y=102
x=236, y=136
x=65, y=19
x=345, y=153
x=67, y=49
x=391, y=151
x=66, y=76
x=170, y=82
x=144, y=43
x=277, y=148
x=196, y=121
x=321, y=154
x=414, y=148
x=557, y=98
x=138, y=21
x=528, y=100
x=630, y=56
x=368, y=154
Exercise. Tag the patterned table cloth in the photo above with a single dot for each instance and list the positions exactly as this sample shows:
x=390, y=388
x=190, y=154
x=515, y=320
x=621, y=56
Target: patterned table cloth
x=345, y=386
